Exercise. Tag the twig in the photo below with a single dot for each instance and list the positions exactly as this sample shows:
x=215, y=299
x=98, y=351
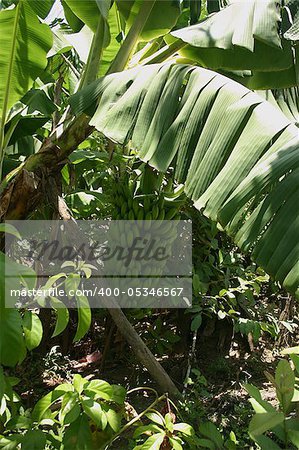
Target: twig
x=135, y=419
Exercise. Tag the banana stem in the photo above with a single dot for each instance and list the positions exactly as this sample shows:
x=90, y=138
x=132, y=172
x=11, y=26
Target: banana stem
x=135, y=419
x=164, y=53
x=127, y=48
x=95, y=54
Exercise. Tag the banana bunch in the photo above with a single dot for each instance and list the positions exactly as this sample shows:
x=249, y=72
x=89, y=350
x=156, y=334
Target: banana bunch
x=149, y=213
x=130, y=204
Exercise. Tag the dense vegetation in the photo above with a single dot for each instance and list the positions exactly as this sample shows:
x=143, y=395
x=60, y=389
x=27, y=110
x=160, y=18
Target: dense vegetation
x=155, y=110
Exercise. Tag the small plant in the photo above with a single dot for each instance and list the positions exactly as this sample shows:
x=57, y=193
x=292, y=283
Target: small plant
x=272, y=427
x=163, y=432
x=82, y=416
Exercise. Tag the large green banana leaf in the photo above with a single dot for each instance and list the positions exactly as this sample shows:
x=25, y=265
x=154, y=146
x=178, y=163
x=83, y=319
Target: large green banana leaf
x=111, y=50
x=237, y=154
x=23, y=50
x=41, y=7
x=89, y=11
x=244, y=36
x=286, y=99
x=163, y=17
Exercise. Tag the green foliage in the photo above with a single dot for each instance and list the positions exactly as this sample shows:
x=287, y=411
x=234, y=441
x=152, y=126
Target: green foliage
x=22, y=60
x=218, y=44
x=163, y=431
x=272, y=427
x=227, y=285
x=160, y=338
x=81, y=415
x=9, y=400
x=69, y=281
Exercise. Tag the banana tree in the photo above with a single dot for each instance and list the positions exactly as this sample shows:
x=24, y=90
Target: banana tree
x=229, y=146
x=236, y=153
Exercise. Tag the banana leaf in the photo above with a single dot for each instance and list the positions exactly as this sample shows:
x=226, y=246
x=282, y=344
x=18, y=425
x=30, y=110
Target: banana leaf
x=237, y=153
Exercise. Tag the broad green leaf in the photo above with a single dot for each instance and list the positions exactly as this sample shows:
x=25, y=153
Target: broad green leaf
x=113, y=418
x=209, y=430
x=42, y=408
x=264, y=422
x=184, y=428
x=252, y=20
x=34, y=440
x=266, y=443
x=259, y=404
x=285, y=381
x=206, y=443
x=111, y=50
x=62, y=316
x=293, y=32
x=95, y=412
x=89, y=11
x=196, y=322
x=12, y=346
x=70, y=407
x=291, y=351
x=292, y=424
x=168, y=422
x=10, y=443
x=156, y=417
x=74, y=22
x=294, y=437
x=38, y=100
x=101, y=388
x=118, y=394
x=163, y=17
x=288, y=102
x=280, y=79
x=84, y=317
x=27, y=126
x=24, y=46
x=72, y=283
x=295, y=359
x=20, y=422
x=78, y=435
x=236, y=153
x=79, y=383
x=41, y=7
x=10, y=229
x=153, y=442
x=33, y=330
x=144, y=429
x=176, y=445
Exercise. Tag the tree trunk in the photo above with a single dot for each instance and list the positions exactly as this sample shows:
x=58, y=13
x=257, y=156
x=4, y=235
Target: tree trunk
x=142, y=353
x=21, y=195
